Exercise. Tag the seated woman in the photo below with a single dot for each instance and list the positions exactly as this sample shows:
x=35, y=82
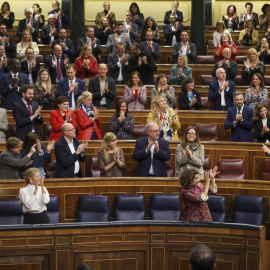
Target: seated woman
x=137, y=16
x=150, y=22
x=165, y=117
x=111, y=160
x=162, y=88
x=121, y=124
x=34, y=198
x=264, y=18
x=189, y=98
x=257, y=91
x=61, y=116
x=263, y=50
x=252, y=65
x=225, y=43
x=38, y=16
x=103, y=30
x=24, y=44
x=44, y=90
x=220, y=29
x=195, y=194
x=190, y=153
x=261, y=123
x=249, y=35
x=135, y=92
x=6, y=16
x=42, y=153
x=180, y=71
x=88, y=118
x=267, y=32
x=86, y=64
x=11, y=161
x=231, y=19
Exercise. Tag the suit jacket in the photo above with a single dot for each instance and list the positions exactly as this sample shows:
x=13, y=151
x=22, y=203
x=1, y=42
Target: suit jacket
x=187, y=72
x=190, y=55
x=70, y=48
x=22, y=27
x=114, y=69
x=65, y=160
x=23, y=121
x=242, y=131
x=183, y=101
x=134, y=33
x=255, y=19
x=45, y=34
x=3, y=124
x=80, y=70
x=11, y=95
x=155, y=53
x=144, y=158
x=258, y=128
x=139, y=103
x=64, y=19
x=96, y=50
x=169, y=33
x=10, y=49
x=215, y=96
x=63, y=87
x=103, y=36
x=52, y=69
x=179, y=16
x=231, y=72
x=35, y=71
x=94, y=88
x=111, y=47
x=110, y=18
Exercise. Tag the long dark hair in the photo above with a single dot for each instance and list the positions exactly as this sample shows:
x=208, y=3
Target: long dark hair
x=259, y=75
x=29, y=140
x=186, y=177
x=184, y=141
x=130, y=83
x=257, y=110
x=185, y=82
x=138, y=9
x=154, y=26
x=118, y=107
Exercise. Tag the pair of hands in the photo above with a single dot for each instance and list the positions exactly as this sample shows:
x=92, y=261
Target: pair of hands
x=54, y=61
x=73, y=88
x=182, y=48
x=121, y=117
x=227, y=62
x=149, y=146
x=211, y=175
x=238, y=118
x=139, y=91
x=94, y=40
x=124, y=58
x=142, y=60
x=255, y=90
x=223, y=85
x=163, y=88
x=81, y=148
x=106, y=89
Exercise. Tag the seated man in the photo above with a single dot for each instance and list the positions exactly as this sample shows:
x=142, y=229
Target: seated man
x=11, y=83
x=150, y=46
x=103, y=89
x=56, y=64
x=71, y=87
x=174, y=11
x=172, y=31
x=151, y=152
x=130, y=28
x=249, y=14
x=240, y=120
x=106, y=13
x=62, y=17
x=7, y=41
x=227, y=64
x=27, y=113
x=142, y=62
x=184, y=47
x=49, y=31
x=221, y=92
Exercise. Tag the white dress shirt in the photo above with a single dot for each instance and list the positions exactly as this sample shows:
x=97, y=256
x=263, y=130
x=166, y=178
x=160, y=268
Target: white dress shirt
x=72, y=150
x=73, y=104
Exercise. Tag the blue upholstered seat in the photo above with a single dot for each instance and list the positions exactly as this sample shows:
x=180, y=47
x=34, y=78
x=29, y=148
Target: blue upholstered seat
x=218, y=208
x=11, y=212
x=53, y=210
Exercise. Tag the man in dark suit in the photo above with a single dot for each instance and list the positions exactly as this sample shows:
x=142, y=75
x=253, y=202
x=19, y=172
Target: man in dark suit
x=90, y=39
x=118, y=64
x=151, y=152
x=66, y=44
x=30, y=66
x=142, y=62
x=221, y=92
x=69, y=152
x=227, y=64
x=56, y=64
x=249, y=14
x=11, y=83
x=71, y=87
x=103, y=89
x=49, y=32
x=130, y=28
x=150, y=46
x=27, y=113
x=172, y=31
x=240, y=120
x=62, y=17
x=28, y=23
x=7, y=41
x=174, y=11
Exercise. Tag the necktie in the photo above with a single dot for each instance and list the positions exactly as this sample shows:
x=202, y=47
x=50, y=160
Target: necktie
x=30, y=111
x=28, y=22
x=239, y=111
x=58, y=71
x=70, y=96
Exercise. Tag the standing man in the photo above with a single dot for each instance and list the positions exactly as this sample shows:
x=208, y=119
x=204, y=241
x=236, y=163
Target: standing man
x=7, y=41
x=221, y=92
x=172, y=31
x=69, y=152
x=174, y=11
x=49, y=31
x=71, y=87
x=151, y=152
x=249, y=14
x=62, y=17
x=106, y=13
x=130, y=28
x=185, y=48
x=103, y=89
x=150, y=46
x=27, y=113
x=240, y=120
x=4, y=67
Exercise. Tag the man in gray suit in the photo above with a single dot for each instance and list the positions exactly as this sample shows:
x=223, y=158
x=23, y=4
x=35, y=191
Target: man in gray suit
x=118, y=64
x=150, y=46
x=249, y=14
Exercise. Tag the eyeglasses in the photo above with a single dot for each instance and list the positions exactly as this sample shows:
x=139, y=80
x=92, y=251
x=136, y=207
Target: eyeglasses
x=191, y=133
x=155, y=131
x=73, y=129
x=3, y=28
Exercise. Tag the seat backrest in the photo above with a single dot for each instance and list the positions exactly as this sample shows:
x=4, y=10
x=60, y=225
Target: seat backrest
x=11, y=131
x=94, y=169
x=231, y=169
x=11, y=212
x=165, y=207
x=205, y=104
x=267, y=80
x=39, y=58
x=172, y=60
x=169, y=168
x=266, y=170
x=210, y=43
x=248, y=210
x=206, y=79
x=129, y=207
x=47, y=129
x=138, y=131
x=207, y=164
x=53, y=210
x=218, y=208
x=50, y=168
x=239, y=81
x=240, y=59
x=207, y=132
x=94, y=208
x=205, y=59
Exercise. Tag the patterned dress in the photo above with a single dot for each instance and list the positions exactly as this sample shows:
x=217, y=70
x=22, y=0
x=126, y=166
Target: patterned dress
x=122, y=130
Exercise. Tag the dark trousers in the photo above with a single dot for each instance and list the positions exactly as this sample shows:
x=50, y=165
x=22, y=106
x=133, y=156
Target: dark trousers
x=40, y=218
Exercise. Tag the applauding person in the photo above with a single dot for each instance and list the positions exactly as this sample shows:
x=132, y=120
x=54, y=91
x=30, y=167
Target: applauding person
x=180, y=71
x=263, y=50
x=249, y=35
x=261, y=123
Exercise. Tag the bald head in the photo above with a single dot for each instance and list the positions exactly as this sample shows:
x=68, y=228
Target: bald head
x=227, y=54
x=221, y=74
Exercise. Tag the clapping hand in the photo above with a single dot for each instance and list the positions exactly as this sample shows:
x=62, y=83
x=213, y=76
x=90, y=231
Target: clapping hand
x=188, y=152
x=50, y=146
x=213, y=172
x=175, y=112
x=156, y=146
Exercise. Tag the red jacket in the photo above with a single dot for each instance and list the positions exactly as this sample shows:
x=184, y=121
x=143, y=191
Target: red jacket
x=86, y=125
x=56, y=121
x=80, y=70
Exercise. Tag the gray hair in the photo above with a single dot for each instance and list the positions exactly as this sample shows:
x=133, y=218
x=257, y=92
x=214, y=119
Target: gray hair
x=237, y=93
x=28, y=10
x=218, y=69
x=148, y=126
x=52, y=15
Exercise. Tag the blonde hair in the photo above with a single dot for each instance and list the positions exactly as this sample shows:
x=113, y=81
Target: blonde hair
x=248, y=60
x=100, y=22
x=154, y=104
x=83, y=49
x=108, y=137
x=29, y=174
x=185, y=59
x=38, y=81
x=82, y=97
x=26, y=30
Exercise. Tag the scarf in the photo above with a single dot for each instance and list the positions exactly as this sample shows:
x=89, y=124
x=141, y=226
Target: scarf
x=165, y=127
x=89, y=111
x=193, y=146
